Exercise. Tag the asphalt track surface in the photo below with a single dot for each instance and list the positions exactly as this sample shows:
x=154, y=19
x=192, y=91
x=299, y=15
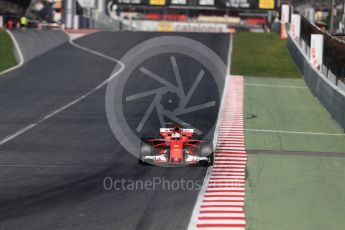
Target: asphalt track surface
x=51, y=177
x=34, y=43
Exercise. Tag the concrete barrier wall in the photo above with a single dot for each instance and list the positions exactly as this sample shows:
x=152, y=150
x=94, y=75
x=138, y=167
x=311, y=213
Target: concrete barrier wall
x=330, y=96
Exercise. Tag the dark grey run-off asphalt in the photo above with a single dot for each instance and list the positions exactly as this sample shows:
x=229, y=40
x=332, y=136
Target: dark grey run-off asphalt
x=51, y=177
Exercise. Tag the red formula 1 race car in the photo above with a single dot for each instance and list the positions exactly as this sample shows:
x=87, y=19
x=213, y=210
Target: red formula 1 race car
x=175, y=148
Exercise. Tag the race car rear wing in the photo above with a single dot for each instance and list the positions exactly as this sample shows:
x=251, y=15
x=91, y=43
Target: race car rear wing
x=169, y=131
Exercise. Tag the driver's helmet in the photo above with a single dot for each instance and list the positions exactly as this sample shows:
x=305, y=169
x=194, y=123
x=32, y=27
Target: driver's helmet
x=176, y=133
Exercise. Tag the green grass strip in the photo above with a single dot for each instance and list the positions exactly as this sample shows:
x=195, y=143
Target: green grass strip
x=7, y=58
x=295, y=192
x=288, y=109
x=262, y=55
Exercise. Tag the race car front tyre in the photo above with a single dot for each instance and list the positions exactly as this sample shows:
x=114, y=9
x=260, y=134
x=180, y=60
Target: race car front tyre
x=210, y=160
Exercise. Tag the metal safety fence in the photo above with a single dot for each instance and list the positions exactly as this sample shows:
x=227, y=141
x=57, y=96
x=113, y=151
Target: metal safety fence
x=321, y=85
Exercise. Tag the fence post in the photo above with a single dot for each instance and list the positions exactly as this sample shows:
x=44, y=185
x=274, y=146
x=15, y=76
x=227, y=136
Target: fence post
x=316, y=51
x=285, y=14
x=69, y=12
x=295, y=28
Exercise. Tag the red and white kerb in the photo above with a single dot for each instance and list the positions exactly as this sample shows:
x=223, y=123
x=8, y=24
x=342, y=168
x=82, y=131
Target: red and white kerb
x=221, y=206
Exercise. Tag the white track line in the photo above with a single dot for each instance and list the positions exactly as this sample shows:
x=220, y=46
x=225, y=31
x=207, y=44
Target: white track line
x=225, y=191
x=68, y=105
x=221, y=108
x=294, y=132
x=195, y=215
x=19, y=52
x=276, y=86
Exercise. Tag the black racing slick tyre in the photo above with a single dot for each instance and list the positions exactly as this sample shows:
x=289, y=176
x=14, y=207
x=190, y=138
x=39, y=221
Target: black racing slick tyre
x=145, y=149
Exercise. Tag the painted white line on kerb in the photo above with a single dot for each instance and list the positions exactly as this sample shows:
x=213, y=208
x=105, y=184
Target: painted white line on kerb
x=195, y=215
x=226, y=184
x=57, y=111
x=295, y=132
x=224, y=94
x=276, y=86
x=19, y=52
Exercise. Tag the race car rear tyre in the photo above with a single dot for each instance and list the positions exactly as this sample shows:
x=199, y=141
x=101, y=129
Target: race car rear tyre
x=145, y=149
x=209, y=162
